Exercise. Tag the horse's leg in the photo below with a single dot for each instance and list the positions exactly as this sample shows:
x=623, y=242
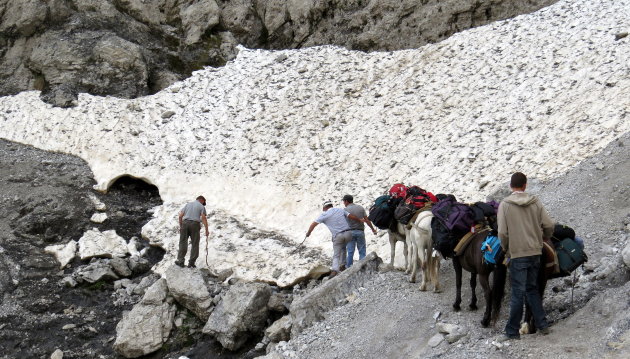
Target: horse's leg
x=406, y=254
x=423, y=263
x=473, y=289
x=458, y=284
x=414, y=258
x=484, y=280
x=392, y=245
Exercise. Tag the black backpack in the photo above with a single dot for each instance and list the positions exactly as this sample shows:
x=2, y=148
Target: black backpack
x=570, y=256
x=444, y=241
x=382, y=212
x=561, y=232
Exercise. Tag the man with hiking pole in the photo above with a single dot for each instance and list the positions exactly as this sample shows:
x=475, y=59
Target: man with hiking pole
x=190, y=219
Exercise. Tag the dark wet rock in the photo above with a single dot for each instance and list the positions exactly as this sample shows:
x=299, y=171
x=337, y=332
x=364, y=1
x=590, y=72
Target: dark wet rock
x=45, y=201
x=119, y=265
x=138, y=265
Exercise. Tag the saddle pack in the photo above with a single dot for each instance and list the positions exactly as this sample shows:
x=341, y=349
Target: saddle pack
x=382, y=213
x=492, y=251
x=398, y=190
x=485, y=214
x=570, y=256
x=417, y=199
x=451, y=221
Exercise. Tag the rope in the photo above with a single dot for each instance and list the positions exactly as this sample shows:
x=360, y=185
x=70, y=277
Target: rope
x=207, y=265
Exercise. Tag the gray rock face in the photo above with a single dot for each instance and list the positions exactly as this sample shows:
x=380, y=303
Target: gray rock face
x=144, y=329
x=242, y=311
x=187, y=286
x=280, y=330
x=131, y=48
x=625, y=255
x=119, y=265
x=311, y=307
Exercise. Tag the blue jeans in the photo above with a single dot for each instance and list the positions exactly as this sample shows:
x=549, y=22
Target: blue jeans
x=524, y=281
x=358, y=240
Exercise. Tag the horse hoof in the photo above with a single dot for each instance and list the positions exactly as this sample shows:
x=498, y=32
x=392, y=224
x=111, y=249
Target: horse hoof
x=423, y=288
x=456, y=307
x=412, y=280
x=485, y=323
x=473, y=307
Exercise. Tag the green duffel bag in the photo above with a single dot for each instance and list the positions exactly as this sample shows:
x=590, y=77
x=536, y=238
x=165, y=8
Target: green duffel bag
x=570, y=256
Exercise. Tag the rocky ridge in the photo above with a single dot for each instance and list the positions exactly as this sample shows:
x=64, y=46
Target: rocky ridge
x=131, y=48
x=468, y=97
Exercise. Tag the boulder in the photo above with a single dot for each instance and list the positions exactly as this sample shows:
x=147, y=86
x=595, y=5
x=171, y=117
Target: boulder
x=23, y=17
x=119, y=265
x=95, y=243
x=96, y=271
x=57, y=354
x=138, y=265
x=277, y=302
x=198, y=18
x=188, y=288
x=64, y=253
x=242, y=312
x=311, y=307
x=98, y=217
x=280, y=330
x=144, y=329
x=144, y=284
x=156, y=294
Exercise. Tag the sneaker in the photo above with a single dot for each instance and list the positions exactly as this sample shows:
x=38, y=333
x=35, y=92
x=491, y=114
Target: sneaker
x=545, y=331
x=332, y=274
x=505, y=338
x=179, y=264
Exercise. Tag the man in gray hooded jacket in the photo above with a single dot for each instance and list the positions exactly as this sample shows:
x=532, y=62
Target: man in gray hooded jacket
x=523, y=223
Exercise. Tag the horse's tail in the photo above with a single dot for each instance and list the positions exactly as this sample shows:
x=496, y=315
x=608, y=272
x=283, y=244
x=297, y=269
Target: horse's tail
x=498, y=289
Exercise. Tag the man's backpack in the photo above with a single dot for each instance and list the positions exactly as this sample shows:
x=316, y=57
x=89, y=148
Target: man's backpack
x=570, y=256
x=382, y=213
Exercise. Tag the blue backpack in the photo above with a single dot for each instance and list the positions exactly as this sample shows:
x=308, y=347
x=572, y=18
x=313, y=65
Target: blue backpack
x=491, y=250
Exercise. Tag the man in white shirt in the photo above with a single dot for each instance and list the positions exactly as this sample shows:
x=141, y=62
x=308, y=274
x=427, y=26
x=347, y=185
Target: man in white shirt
x=335, y=220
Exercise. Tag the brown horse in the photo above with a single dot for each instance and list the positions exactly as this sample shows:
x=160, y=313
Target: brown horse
x=471, y=259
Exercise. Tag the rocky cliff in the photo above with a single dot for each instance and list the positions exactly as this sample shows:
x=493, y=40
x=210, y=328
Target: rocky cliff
x=131, y=48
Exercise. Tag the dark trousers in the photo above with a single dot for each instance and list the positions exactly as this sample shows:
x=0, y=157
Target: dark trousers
x=524, y=281
x=189, y=229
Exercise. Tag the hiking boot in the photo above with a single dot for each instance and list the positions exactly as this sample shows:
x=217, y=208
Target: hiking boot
x=505, y=338
x=192, y=265
x=332, y=274
x=545, y=331
x=179, y=264
x=342, y=268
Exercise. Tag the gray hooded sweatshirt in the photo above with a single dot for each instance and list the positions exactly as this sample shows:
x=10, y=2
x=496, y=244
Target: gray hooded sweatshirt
x=523, y=222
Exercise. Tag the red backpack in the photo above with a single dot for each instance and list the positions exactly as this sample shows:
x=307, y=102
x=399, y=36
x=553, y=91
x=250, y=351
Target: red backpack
x=398, y=190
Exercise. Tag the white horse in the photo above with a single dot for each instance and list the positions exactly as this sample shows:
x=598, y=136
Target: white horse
x=422, y=253
x=399, y=234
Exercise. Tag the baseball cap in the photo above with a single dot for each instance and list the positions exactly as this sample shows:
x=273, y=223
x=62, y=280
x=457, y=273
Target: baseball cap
x=327, y=204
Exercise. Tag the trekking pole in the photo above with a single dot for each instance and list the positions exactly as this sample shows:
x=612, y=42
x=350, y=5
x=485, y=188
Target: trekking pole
x=299, y=245
x=572, y=286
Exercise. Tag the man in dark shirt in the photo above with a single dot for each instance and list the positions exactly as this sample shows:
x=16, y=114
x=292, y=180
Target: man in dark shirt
x=190, y=218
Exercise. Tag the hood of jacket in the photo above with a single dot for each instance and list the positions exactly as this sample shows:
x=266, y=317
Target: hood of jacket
x=521, y=199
